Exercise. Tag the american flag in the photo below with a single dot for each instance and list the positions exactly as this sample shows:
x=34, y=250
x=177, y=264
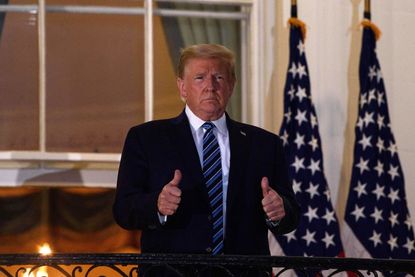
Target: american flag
x=377, y=216
x=318, y=232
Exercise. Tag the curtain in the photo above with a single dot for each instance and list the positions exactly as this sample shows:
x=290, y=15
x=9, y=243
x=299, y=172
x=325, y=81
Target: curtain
x=68, y=219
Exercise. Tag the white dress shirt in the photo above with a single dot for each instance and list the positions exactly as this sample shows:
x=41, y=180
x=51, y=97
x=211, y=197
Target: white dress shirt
x=222, y=135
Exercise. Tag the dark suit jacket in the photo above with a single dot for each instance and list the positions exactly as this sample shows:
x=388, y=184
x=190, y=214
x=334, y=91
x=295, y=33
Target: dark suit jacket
x=152, y=152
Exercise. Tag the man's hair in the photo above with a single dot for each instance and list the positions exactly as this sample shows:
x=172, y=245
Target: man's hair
x=207, y=51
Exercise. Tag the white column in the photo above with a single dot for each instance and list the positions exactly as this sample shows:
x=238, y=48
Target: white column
x=148, y=62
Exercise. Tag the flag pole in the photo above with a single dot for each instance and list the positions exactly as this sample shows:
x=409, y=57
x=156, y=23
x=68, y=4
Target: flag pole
x=294, y=8
x=367, y=14
x=367, y=20
x=294, y=21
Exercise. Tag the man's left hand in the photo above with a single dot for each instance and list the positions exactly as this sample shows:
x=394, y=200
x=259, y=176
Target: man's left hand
x=272, y=202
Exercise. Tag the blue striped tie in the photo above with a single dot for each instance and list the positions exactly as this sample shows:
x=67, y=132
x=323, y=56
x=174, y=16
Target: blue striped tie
x=212, y=173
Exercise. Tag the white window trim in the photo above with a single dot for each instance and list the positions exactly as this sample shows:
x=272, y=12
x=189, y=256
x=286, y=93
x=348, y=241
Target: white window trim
x=253, y=70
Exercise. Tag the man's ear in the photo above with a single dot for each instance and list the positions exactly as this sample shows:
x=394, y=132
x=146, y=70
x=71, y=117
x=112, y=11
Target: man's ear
x=181, y=87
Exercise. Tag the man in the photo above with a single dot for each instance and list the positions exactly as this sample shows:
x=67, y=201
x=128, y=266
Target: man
x=167, y=188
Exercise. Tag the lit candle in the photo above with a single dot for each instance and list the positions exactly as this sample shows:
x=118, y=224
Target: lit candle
x=44, y=250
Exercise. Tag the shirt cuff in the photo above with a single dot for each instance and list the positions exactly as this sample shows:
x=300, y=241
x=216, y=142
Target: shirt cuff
x=272, y=223
x=162, y=218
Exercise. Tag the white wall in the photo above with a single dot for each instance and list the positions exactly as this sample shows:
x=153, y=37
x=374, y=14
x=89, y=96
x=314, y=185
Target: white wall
x=333, y=48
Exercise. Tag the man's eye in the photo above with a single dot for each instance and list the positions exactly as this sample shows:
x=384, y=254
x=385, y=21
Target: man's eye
x=219, y=77
x=198, y=77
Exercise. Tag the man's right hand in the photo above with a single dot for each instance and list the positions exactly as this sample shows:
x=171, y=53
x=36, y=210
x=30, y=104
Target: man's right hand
x=170, y=196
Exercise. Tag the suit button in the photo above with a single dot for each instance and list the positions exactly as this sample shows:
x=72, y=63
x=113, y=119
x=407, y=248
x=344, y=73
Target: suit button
x=208, y=250
x=209, y=217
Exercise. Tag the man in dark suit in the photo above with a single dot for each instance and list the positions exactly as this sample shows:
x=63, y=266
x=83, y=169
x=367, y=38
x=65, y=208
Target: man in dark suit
x=163, y=188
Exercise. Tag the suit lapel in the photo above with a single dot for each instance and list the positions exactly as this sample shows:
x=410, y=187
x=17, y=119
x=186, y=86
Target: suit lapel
x=186, y=151
x=239, y=145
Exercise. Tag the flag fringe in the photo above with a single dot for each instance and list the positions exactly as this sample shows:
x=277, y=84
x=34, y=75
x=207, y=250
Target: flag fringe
x=369, y=24
x=298, y=23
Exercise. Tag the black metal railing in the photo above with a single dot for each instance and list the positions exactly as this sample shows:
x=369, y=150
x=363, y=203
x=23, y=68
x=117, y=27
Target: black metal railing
x=128, y=265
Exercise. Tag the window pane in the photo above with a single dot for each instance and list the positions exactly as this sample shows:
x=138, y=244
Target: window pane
x=95, y=80
x=18, y=81
x=167, y=101
x=103, y=3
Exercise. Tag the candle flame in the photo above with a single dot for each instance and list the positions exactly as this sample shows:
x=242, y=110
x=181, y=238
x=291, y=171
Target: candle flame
x=45, y=249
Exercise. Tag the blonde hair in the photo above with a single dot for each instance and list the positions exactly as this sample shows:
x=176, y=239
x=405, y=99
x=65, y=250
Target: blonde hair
x=207, y=51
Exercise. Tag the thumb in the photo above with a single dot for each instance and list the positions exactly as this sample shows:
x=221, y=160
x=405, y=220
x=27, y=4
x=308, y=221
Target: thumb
x=177, y=178
x=265, y=186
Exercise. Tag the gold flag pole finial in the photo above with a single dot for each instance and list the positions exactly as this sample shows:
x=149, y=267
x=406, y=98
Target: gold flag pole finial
x=294, y=21
x=367, y=23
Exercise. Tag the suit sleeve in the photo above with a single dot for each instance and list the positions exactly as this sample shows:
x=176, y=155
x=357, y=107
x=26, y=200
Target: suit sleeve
x=283, y=185
x=135, y=205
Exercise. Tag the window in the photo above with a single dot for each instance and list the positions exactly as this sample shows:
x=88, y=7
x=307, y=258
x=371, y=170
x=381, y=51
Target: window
x=75, y=75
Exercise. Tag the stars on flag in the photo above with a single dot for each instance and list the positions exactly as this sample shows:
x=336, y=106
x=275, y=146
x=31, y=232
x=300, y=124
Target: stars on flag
x=376, y=208
x=318, y=232
x=298, y=164
x=365, y=142
x=329, y=216
x=311, y=214
x=358, y=212
x=299, y=69
x=375, y=238
x=314, y=166
x=379, y=192
x=301, y=117
x=313, y=190
x=409, y=245
x=377, y=215
x=328, y=239
x=360, y=189
x=363, y=165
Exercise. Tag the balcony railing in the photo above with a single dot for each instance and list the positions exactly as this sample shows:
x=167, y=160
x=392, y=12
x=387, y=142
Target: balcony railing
x=126, y=265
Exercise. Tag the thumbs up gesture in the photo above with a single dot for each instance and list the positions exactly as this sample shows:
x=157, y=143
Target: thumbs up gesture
x=272, y=202
x=170, y=196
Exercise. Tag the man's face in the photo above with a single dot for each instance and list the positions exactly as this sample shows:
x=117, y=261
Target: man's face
x=206, y=87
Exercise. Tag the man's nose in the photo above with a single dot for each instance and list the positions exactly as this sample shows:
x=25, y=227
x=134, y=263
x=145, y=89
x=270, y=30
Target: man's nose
x=212, y=83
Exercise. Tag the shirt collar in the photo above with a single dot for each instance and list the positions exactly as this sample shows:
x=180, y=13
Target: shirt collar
x=196, y=122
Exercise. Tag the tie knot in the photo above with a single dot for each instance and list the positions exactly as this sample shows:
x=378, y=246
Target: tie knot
x=208, y=125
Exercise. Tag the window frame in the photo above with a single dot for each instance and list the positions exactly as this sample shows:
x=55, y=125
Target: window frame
x=252, y=65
